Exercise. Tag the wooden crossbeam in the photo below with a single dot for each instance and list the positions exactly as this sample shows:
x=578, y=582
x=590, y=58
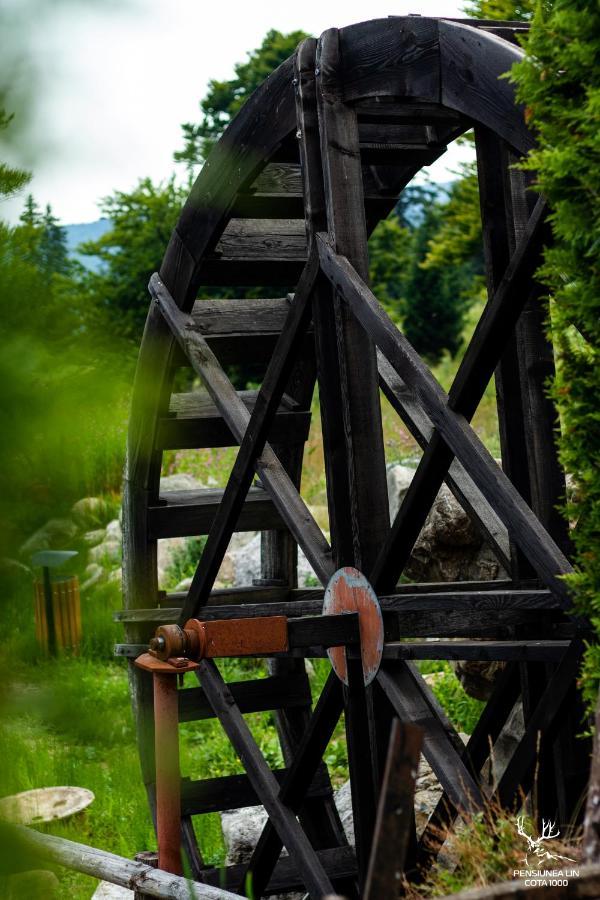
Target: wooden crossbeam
x=541, y=725
x=275, y=479
x=413, y=702
x=458, y=479
x=263, y=780
x=488, y=727
x=307, y=759
x=454, y=430
x=491, y=335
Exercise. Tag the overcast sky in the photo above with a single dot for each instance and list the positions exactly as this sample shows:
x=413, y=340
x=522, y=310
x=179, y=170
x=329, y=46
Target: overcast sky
x=117, y=81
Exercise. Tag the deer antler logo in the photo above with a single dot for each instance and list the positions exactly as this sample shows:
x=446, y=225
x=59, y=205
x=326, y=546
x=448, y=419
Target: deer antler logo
x=534, y=845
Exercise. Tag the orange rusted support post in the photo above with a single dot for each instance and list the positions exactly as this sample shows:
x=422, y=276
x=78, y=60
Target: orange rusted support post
x=166, y=745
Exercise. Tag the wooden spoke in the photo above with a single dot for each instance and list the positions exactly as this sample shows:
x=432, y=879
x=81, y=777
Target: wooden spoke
x=307, y=759
x=263, y=780
x=453, y=428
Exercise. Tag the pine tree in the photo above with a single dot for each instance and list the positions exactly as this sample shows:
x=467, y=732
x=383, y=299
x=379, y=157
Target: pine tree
x=53, y=245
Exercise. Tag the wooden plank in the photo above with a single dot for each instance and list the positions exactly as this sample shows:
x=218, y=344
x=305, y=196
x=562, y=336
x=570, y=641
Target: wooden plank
x=295, y=786
x=391, y=57
x=543, y=721
x=224, y=316
x=265, y=784
x=235, y=792
x=187, y=513
x=257, y=251
x=251, y=696
x=283, y=492
x=394, y=813
x=408, y=694
x=532, y=651
x=253, y=453
x=195, y=432
x=535, y=542
x=438, y=601
x=338, y=862
x=359, y=391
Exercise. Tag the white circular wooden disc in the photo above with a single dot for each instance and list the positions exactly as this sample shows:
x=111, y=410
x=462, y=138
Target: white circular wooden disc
x=44, y=805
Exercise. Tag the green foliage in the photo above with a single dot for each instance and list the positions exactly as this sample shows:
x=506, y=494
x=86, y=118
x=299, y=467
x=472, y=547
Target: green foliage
x=225, y=98
x=142, y=222
x=559, y=82
x=435, y=297
x=184, y=561
x=506, y=10
x=389, y=253
x=11, y=179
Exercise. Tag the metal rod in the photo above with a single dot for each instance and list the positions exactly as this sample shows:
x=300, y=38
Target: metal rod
x=168, y=779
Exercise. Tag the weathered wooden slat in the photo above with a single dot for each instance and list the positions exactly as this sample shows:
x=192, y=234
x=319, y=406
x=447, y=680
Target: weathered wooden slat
x=395, y=812
x=238, y=316
x=358, y=403
x=535, y=542
x=251, y=696
x=466, y=601
x=195, y=422
x=257, y=251
x=233, y=792
x=339, y=863
x=191, y=513
x=312, y=872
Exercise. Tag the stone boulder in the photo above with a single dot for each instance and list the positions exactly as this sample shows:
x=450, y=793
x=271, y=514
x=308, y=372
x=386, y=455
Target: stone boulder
x=90, y=512
x=56, y=534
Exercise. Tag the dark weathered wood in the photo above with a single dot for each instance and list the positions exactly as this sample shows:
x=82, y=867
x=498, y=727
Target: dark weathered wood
x=251, y=696
x=298, y=779
x=394, y=813
x=492, y=332
x=235, y=791
x=413, y=703
x=359, y=394
x=468, y=495
x=535, y=542
x=263, y=780
x=542, y=723
x=339, y=863
x=183, y=513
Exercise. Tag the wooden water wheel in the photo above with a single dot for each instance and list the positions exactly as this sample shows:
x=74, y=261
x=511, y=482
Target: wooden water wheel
x=314, y=160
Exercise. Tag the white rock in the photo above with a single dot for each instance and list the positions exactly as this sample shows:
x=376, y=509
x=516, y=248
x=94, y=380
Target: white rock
x=398, y=482
x=180, y=482
x=113, y=530
x=108, y=891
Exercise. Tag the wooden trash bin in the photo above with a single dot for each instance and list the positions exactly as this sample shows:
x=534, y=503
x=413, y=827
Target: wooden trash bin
x=63, y=632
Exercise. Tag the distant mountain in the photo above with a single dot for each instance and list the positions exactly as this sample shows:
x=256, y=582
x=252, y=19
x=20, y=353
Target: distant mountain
x=86, y=231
